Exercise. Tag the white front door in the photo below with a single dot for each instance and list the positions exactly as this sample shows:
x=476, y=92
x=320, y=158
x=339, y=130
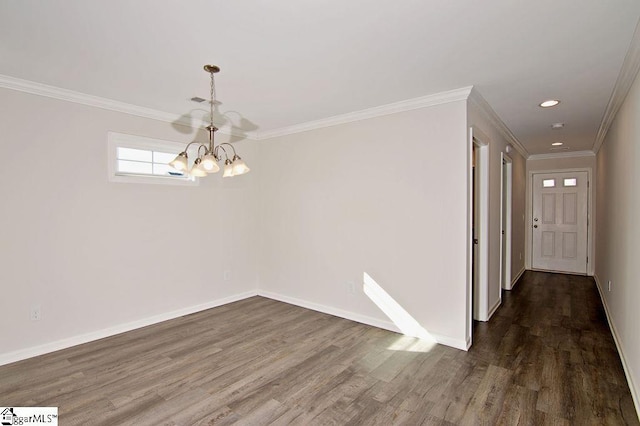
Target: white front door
x=559, y=227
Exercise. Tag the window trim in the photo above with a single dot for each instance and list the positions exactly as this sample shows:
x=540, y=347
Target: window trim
x=115, y=140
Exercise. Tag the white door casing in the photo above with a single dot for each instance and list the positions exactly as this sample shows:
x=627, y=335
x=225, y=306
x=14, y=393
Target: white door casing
x=560, y=221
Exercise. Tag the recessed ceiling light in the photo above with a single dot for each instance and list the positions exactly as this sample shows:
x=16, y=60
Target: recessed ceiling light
x=549, y=103
x=556, y=126
x=556, y=143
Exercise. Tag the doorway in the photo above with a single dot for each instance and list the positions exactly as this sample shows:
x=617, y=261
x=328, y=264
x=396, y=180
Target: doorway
x=479, y=230
x=505, y=220
x=559, y=239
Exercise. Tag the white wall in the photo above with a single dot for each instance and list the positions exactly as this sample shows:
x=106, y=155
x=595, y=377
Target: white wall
x=618, y=231
x=386, y=196
x=96, y=254
x=488, y=133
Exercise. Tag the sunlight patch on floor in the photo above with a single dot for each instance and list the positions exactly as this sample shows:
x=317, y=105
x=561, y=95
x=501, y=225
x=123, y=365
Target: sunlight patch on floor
x=411, y=344
x=400, y=317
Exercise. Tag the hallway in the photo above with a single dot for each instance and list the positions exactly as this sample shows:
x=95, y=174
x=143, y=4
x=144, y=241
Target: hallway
x=552, y=344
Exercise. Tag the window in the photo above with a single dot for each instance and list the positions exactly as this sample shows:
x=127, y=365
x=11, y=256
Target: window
x=548, y=183
x=570, y=182
x=144, y=160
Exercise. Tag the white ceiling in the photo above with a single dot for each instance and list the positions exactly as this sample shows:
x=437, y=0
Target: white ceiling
x=294, y=61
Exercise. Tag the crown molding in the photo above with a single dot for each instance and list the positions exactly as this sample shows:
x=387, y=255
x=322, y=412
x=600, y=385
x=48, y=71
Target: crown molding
x=627, y=76
x=476, y=98
x=461, y=94
x=388, y=109
x=566, y=154
x=40, y=89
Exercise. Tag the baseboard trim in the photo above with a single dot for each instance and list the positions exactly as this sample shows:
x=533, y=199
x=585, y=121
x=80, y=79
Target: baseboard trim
x=461, y=344
x=494, y=309
x=363, y=319
x=517, y=278
x=22, y=354
x=625, y=366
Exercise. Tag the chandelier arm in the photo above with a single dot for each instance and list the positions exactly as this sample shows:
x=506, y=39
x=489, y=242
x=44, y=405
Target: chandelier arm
x=191, y=143
x=234, y=150
x=222, y=148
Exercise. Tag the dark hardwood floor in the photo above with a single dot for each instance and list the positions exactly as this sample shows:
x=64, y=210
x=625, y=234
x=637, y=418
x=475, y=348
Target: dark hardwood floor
x=546, y=357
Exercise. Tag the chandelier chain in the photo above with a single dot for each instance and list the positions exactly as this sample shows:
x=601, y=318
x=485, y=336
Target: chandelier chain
x=212, y=97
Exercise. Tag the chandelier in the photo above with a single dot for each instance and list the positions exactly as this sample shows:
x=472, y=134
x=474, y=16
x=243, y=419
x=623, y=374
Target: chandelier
x=209, y=155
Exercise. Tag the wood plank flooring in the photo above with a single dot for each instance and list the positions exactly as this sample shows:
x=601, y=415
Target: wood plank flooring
x=546, y=357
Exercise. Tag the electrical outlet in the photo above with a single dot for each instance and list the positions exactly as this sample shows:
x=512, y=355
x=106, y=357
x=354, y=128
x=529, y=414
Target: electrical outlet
x=227, y=275
x=36, y=313
x=609, y=284
x=351, y=287
x=520, y=255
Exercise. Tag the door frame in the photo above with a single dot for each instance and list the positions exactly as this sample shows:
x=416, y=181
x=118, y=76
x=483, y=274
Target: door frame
x=506, y=196
x=591, y=218
x=478, y=297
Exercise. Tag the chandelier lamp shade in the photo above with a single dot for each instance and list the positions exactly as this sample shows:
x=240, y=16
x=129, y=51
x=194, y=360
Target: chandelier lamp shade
x=210, y=154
